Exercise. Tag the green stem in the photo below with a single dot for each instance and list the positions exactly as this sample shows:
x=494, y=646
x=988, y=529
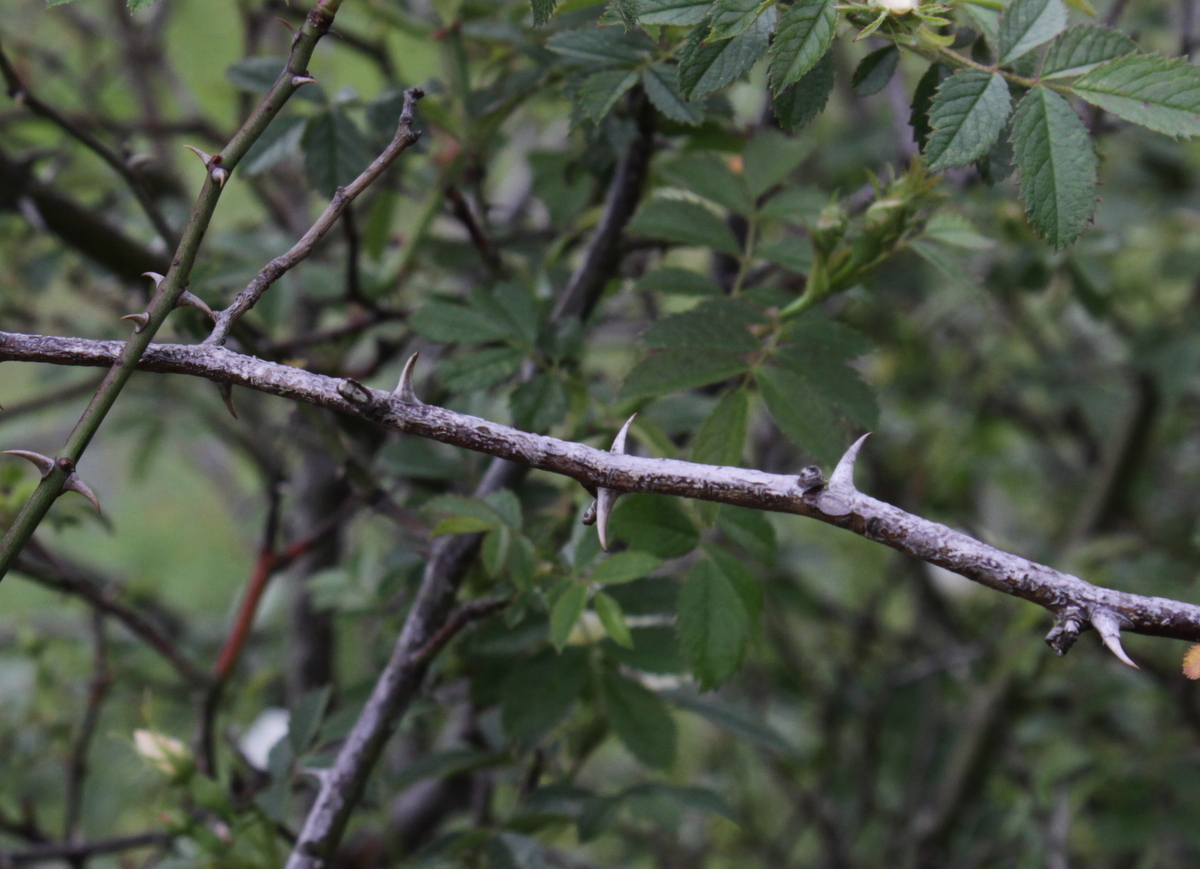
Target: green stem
x=318, y=22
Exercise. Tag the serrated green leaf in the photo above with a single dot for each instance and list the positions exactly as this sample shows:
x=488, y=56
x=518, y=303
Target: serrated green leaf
x=610, y=46
x=875, y=71
x=662, y=87
x=740, y=723
x=1083, y=48
x=747, y=584
x=719, y=441
x=922, y=100
x=566, y=610
x=1057, y=164
x=522, y=562
x=480, y=369
x=542, y=10
x=443, y=764
x=956, y=230
x=804, y=100
x=537, y=694
x=967, y=114
x=135, y=5
x=452, y=323
x=716, y=324
x=794, y=254
x=749, y=529
x=540, y=404
x=280, y=140
x=494, y=551
x=655, y=650
x=1157, y=92
x=460, y=525
x=709, y=176
x=770, y=157
x=685, y=223
x=641, y=720
x=625, y=567
x=675, y=370
x=459, y=505
x=305, y=720
x=706, y=66
x=654, y=524
x=731, y=17
x=802, y=412
x=1026, y=24
x=506, y=503
x=713, y=624
x=830, y=375
x=514, y=851
x=683, y=282
x=804, y=35
x=630, y=11
x=600, y=91
x=609, y=612
x=335, y=151
x=673, y=11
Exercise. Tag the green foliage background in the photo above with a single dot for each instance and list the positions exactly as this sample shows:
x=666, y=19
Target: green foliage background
x=726, y=688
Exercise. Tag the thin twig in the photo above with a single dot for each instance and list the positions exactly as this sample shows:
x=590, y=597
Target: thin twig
x=51, y=852
x=97, y=691
x=276, y=268
x=21, y=95
x=50, y=399
x=462, y=211
x=63, y=575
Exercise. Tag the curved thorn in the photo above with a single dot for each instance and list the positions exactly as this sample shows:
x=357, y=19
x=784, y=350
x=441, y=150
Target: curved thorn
x=404, y=389
x=203, y=155
x=156, y=277
x=227, y=396
x=619, y=441
x=220, y=176
x=194, y=301
x=1108, y=626
x=298, y=80
x=44, y=464
x=74, y=484
x=589, y=515
x=140, y=321
x=605, y=499
x=843, y=474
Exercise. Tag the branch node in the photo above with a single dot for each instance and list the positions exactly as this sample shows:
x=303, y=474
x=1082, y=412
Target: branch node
x=1067, y=627
x=45, y=465
x=404, y=389
x=1108, y=625
x=810, y=479
x=354, y=392
x=140, y=320
x=606, y=498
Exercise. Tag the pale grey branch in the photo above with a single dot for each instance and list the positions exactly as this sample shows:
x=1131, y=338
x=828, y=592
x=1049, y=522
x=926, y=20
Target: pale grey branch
x=1076, y=604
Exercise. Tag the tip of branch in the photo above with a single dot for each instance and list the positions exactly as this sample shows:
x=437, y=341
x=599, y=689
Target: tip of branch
x=156, y=277
x=619, y=441
x=1108, y=626
x=44, y=464
x=843, y=474
x=140, y=320
x=193, y=301
x=404, y=389
x=74, y=484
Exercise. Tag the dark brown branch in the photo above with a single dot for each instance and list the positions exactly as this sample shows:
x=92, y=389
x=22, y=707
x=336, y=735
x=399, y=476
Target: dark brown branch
x=80, y=850
x=62, y=575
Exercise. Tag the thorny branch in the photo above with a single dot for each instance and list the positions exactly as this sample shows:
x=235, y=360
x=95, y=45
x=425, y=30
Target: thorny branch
x=1076, y=604
x=278, y=267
